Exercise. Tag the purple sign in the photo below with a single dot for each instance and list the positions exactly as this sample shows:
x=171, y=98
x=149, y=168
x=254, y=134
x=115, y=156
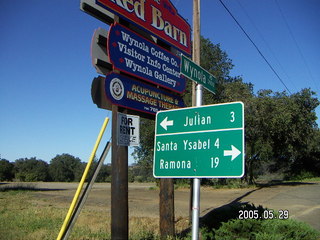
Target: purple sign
x=143, y=59
x=132, y=94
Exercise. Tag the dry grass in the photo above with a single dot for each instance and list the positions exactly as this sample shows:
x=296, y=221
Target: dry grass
x=25, y=215
x=37, y=211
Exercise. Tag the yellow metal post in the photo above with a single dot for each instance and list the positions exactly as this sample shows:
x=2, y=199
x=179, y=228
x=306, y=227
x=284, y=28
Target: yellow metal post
x=84, y=176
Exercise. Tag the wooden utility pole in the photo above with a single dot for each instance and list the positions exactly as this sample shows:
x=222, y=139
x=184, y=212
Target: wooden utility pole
x=196, y=59
x=166, y=205
x=119, y=185
x=166, y=208
x=198, y=102
x=119, y=181
x=196, y=32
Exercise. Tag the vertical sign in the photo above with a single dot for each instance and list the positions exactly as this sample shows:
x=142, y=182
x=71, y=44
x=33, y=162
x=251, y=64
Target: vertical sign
x=128, y=130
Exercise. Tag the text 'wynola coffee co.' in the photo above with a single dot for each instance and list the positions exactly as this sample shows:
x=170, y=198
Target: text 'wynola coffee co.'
x=143, y=59
x=159, y=17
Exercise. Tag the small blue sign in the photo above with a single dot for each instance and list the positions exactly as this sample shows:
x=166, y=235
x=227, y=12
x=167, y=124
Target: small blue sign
x=143, y=59
x=132, y=94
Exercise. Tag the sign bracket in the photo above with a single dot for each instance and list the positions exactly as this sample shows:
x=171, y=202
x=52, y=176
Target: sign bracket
x=91, y=8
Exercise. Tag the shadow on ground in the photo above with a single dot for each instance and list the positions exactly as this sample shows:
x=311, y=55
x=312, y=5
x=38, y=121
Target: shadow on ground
x=4, y=187
x=274, y=183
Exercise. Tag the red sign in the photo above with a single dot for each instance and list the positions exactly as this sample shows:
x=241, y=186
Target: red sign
x=159, y=17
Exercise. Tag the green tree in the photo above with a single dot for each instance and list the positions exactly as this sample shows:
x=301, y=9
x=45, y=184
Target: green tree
x=104, y=173
x=303, y=136
x=31, y=170
x=6, y=170
x=280, y=132
x=310, y=162
x=65, y=168
x=143, y=154
x=217, y=62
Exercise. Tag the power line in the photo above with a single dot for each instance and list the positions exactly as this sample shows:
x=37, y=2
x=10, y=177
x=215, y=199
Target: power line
x=296, y=44
x=266, y=43
x=256, y=47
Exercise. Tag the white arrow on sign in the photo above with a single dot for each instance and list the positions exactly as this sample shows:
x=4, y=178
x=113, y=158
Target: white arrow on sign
x=234, y=152
x=165, y=123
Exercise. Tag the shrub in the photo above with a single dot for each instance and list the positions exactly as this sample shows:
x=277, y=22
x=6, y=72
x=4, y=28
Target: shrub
x=139, y=179
x=31, y=170
x=266, y=229
x=6, y=170
x=300, y=176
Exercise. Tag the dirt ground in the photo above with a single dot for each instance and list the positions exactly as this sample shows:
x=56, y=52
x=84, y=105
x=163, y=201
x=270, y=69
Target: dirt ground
x=143, y=197
x=302, y=200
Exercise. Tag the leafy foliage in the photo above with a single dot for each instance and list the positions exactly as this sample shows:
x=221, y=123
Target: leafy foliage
x=104, y=174
x=6, y=170
x=31, y=170
x=65, y=168
x=281, y=132
x=143, y=154
x=266, y=229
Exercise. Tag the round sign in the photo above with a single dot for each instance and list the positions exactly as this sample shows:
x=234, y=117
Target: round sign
x=116, y=89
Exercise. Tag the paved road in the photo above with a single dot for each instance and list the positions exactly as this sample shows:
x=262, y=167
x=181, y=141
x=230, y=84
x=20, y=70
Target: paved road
x=301, y=200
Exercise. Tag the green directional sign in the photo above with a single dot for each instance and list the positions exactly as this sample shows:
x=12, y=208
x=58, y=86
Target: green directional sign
x=206, y=141
x=196, y=73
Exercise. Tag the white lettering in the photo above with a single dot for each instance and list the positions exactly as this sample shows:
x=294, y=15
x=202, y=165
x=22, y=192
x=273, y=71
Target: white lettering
x=170, y=164
x=128, y=5
x=163, y=147
x=170, y=30
x=197, y=120
x=196, y=145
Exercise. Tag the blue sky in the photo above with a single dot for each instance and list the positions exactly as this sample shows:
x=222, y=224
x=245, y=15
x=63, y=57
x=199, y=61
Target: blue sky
x=46, y=72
